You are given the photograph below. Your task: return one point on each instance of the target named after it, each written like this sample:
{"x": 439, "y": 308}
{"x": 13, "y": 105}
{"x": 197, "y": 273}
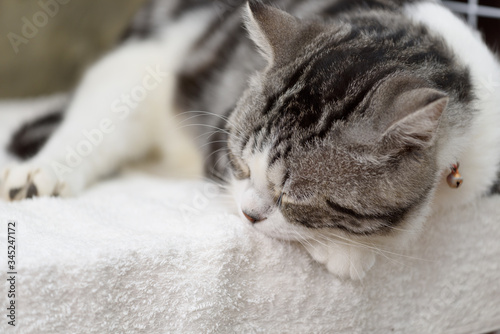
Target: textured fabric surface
{"x": 141, "y": 254}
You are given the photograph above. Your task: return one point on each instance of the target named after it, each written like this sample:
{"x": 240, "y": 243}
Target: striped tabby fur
{"x": 309, "y": 109}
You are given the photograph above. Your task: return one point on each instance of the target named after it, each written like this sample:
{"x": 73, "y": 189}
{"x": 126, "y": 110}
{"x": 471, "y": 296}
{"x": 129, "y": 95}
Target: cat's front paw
{"x": 30, "y": 180}
{"x": 345, "y": 261}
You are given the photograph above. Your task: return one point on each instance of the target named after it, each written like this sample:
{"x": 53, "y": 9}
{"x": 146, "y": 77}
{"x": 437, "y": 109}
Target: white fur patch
{"x": 480, "y": 157}
{"x": 257, "y": 163}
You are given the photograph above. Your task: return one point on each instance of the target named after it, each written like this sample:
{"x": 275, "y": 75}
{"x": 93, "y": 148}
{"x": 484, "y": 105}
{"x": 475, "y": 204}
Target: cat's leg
{"x": 118, "y": 114}
{"x": 110, "y": 120}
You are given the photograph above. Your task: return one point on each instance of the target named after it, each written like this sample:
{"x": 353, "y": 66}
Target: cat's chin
{"x": 342, "y": 257}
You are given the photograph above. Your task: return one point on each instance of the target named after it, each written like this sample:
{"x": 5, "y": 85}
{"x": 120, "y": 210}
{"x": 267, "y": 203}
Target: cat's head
{"x": 339, "y": 132}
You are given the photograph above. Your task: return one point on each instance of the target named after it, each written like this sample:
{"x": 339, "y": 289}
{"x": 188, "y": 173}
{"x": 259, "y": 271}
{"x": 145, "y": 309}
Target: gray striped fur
{"x": 323, "y": 106}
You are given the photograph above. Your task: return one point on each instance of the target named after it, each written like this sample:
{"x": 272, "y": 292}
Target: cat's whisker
{"x": 409, "y": 230}
{"x": 305, "y": 243}
{"x": 204, "y": 125}
{"x": 238, "y": 128}
{"x": 213, "y": 142}
{"x": 208, "y": 134}
{"x": 215, "y": 152}
{"x": 306, "y": 239}
{"x": 219, "y": 175}
{"x": 354, "y": 243}
{"x": 373, "y": 247}
{"x": 358, "y": 274}
{"x": 327, "y": 241}
{"x": 217, "y": 171}
{"x": 225, "y": 155}
{"x": 203, "y": 113}
{"x": 347, "y": 242}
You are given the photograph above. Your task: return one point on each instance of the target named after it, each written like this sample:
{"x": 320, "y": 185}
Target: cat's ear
{"x": 420, "y": 111}
{"x": 273, "y": 30}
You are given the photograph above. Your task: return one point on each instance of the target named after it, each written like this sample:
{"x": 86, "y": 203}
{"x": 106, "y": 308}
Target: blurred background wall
{"x": 46, "y": 44}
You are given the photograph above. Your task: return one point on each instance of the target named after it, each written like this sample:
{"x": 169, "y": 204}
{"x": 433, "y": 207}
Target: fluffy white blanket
{"x": 140, "y": 254}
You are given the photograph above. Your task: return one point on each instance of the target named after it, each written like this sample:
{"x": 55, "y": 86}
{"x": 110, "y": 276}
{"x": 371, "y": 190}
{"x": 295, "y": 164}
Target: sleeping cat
{"x": 334, "y": 122}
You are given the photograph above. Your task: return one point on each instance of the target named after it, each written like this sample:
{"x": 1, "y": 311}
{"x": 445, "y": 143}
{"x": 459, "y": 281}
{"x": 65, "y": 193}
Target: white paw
{"x": 345, "y": 261}
{"x": 28, "y": 181}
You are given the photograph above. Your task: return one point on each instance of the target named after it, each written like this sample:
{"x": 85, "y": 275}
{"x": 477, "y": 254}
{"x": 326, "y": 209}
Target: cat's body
{"x": 339, "y": 133}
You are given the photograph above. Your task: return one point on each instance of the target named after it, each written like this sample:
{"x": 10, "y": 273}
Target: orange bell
{"x": 455, "y": 180}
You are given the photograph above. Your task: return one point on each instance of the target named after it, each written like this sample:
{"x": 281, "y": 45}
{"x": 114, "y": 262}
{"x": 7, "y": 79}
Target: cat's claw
{"x": 28, "y": 181}
{"x": 345, "y": 261}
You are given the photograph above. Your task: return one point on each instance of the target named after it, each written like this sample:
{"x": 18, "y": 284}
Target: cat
{"x": 333, "y": 122}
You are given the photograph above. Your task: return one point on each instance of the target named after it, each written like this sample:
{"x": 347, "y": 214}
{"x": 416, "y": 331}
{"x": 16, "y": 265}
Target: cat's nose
{"x": 253, "y": 206}
{"x": 253, "y": 218}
